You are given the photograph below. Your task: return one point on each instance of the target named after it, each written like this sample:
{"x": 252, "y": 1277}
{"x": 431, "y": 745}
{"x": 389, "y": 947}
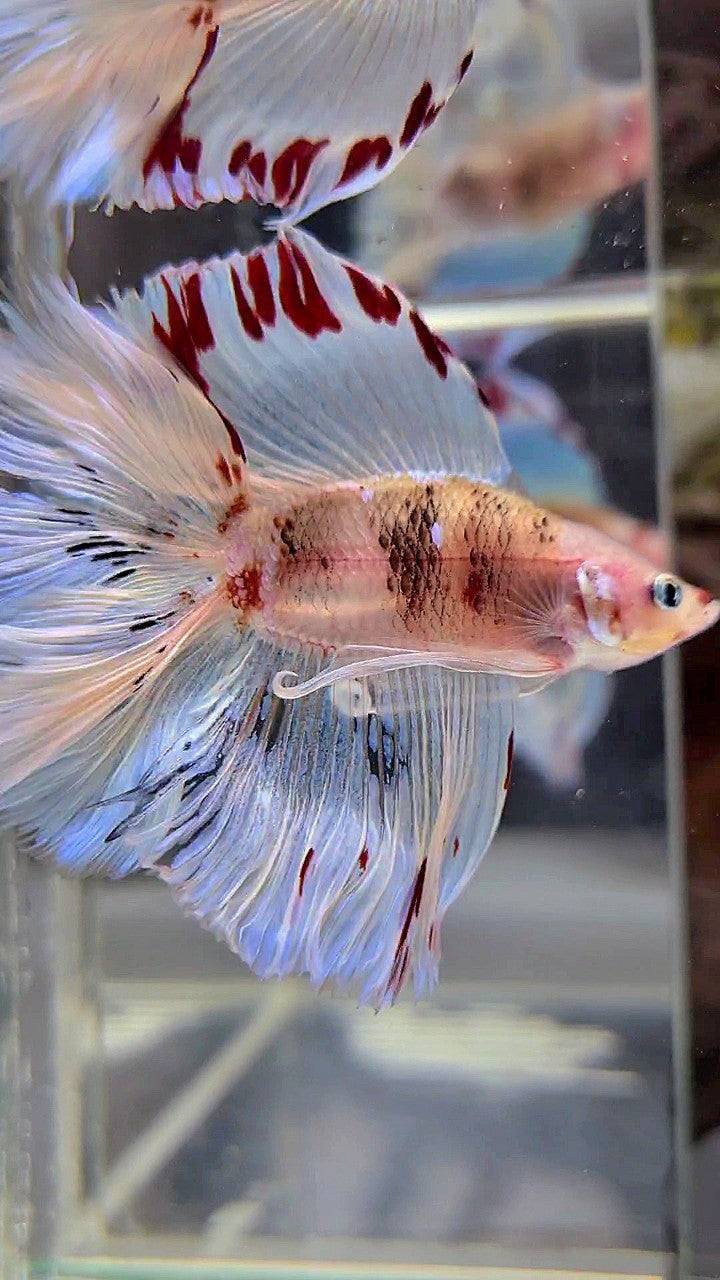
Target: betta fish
{"x": 268, "y": 599}
{"x": 159, "y": 103}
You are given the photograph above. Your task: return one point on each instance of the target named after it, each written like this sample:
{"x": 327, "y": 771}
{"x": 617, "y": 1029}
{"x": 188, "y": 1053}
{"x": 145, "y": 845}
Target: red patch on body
{"x": 434, "y": 348}
{"x": 367, "y": 151}
{"x": 363, "y": 859}
{"x": 291, "y": 169}
{"x": 244, "y": 588}
{"x": 171, "y": 145}
{"x": 299, "y": 293}
{"x": 510, "y": 753}
{"x": 304, "y": 870}
{"x": 705, "y": 597}
{"x": 379, "y": 302}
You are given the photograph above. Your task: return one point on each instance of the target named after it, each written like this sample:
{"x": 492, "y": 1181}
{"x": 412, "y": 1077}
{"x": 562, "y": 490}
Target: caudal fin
{"x": 117, "y": 472}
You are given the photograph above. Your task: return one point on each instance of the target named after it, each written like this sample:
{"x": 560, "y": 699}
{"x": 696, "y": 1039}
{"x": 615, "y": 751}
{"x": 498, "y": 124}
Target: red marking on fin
{"x": 187, "y": 334}
{"x": 248, "y": 319}
{"x": 304, "y": 870}
{"x": 239, "y": 158}
{"x": 510, "y": 753}
{"x": 236, "y": 508}
{"x": 300, "y": 296}
{"x": 222, "y": 466}
{"x": 291, "y": 168}
{"x": 435, "y": 349}
{"x": 379, "y": 302}
{"x": 415, "y": 122}
{"x": 243, "y": 157}
{"x": 363, "y": 859}
{"x": 367, "y": 151}
{"x": 400, "y": 961}
{"x": 456, "y": 846}
{"x": 465, "y": 65}
{"x": 196, "y": 17}
{"x": 261, "y": 287}
{"x": 171, "y": 145}
{"x": 431, "y": 936}
{"x": 244, "y": 591}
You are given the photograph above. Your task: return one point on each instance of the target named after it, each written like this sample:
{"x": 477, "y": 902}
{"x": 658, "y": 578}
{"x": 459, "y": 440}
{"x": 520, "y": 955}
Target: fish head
{"x": 630, "y": 612}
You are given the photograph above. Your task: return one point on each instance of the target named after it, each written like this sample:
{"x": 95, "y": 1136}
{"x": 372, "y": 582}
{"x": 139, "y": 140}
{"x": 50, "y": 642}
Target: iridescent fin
{"x": 293, "y": 102}
{"x": 318, "y": 842}
{"x": 327, "y": 372}
{"x": 117, "y": 472}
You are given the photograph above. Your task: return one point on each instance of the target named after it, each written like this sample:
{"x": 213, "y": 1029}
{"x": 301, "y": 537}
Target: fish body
{"x": 450, "y": 567}
{"x": 268, "y": 601}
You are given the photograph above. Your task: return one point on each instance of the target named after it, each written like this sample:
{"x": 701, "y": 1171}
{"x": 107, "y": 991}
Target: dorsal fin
{"x": 325, "y": 372}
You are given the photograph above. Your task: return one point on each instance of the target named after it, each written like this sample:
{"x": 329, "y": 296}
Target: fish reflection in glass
{"x": 500, "y": 194}
{"x": 268, "y": 601}
{"x": 159, "y": 103}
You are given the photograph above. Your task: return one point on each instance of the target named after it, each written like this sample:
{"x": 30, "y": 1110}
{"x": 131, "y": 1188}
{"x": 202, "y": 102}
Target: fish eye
{"x": 666, "y": 591}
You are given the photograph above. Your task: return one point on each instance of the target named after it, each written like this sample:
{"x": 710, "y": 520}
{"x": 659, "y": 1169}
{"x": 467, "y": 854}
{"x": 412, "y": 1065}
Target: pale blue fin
{"x": 318, "y": 842}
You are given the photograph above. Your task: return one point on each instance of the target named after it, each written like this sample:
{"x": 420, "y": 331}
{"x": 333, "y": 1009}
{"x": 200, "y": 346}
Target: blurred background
{"x": 554, "y": 1110}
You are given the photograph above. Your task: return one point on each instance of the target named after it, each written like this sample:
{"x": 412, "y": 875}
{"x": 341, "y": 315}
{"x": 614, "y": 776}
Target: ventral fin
{"x": 326, "y": 372}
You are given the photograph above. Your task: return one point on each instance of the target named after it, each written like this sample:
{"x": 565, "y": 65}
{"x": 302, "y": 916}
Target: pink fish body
{"x": 268, "y": 601}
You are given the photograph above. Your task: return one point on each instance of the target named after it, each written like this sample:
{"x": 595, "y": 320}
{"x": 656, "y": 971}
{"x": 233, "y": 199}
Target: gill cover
{"x": 601, "y": 609}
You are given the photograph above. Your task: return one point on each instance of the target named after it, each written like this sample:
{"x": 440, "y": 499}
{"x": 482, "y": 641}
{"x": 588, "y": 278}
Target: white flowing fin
{"x": 87, "y": 85}
{"x": 117, "y": 473}
{"x": 315, "y": 841}
{"x": 303, "y": 102}
{"x": 292, "y": 102}
{"x": 325, "y": 371}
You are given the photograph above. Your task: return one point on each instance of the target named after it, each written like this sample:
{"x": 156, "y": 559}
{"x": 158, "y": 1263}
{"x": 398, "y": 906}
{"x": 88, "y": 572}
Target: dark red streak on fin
{"x": 187, "y": 334}
{"x": 465, "y": 65}
{"x": 379, "y": 302}
{"x": 417, "y": 115}
{"x": 363, "y": 859}
{"x": 261, "y": 288}
{"x": 435, "y": 349}
{"x": 291, "y": 168}
{"x": 456, "y": 847}
{"x": 401, "y": 951}
{"x": 304, "y": 870}
{"x": 510, "y": 753}
{"x": 248, "y": 319}
{"x": 300, "y": 296}
{"x": 222, "y": 466}
{"x": 362, "y": 154}
{"x": 171, "y": 144}
{"x": 244, "y": 158}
